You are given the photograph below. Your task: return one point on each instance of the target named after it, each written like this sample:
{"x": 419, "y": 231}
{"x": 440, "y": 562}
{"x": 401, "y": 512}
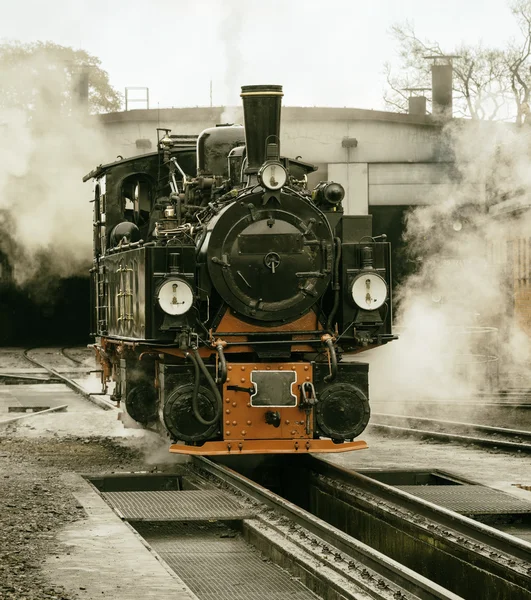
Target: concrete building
{"x": 386, "y": 161}
{"x": 382, "y": 158}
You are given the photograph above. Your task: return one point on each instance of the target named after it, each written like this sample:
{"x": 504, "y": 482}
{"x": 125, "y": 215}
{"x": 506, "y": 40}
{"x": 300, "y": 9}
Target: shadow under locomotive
{"x": 225, "y": 293}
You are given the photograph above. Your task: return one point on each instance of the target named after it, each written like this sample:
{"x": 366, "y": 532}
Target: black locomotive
{"x": 227, "y": 298}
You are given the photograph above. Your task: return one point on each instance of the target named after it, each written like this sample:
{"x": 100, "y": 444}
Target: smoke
{"x": 47, "y": 144}
{"x": 459, "y": 334}
{"x": 230, "y": 34}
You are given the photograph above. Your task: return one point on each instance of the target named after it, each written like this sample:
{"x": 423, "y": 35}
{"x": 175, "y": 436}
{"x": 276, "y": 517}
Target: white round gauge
{"x": 175, "y": 297}
{"x": 369, "y": 291}
{"x": 273, "y": 176}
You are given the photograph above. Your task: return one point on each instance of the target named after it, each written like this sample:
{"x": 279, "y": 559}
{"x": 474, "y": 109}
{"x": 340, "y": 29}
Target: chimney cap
{"x": 448, "y": 57}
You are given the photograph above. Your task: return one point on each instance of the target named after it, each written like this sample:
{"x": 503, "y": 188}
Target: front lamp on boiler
{"x": 175, "y": 297}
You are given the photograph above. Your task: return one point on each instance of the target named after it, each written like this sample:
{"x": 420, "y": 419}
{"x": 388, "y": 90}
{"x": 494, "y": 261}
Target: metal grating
{"x": 192, "y": 505}
{"x": 217, "y": 564}
{"x": 469, "y": 499}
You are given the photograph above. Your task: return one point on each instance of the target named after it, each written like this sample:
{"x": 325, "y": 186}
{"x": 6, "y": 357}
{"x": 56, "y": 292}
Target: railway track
{"x": 12, "y": 370}
{"x": 76, "y": 361}
{"x": 94, "y": 397}
{"x": 341, "y": 533}
{"x": 468, "y": 557}
{"x": 515, "y": 440}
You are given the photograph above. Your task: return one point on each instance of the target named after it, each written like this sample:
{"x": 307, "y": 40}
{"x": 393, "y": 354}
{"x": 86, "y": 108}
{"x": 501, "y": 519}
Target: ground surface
{"x": 34, "y": 503}
{"x": 37, "y": 453}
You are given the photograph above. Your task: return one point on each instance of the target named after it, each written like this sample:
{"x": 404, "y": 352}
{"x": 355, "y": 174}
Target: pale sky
{"x": 324, "y": 52}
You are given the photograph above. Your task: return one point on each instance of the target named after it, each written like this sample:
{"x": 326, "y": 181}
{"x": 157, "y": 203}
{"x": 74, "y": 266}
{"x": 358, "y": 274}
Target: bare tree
{"x": 518, "y": 59}
{"x": 489, "y": 83}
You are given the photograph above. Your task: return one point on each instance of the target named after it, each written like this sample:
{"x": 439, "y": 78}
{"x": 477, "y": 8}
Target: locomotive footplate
{"x": 267, "y": 447}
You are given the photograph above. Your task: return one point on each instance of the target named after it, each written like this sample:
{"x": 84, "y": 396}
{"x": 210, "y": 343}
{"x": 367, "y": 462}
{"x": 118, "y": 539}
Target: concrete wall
{"x": 316, "y": 134}
{"x": 382, "y": 168}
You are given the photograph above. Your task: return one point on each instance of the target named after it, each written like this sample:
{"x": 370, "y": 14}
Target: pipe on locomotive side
{"x": 261, "y": 115}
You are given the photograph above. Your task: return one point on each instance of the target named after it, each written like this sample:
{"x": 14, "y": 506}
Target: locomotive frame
{"x": 226, "y": 296}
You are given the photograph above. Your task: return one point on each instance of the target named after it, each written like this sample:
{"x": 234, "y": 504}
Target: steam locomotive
{"x": 226, "y": 296}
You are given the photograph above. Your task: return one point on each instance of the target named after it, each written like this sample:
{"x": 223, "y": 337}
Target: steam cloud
{"x": 455, "y": 312}
{"x": 230, "y": 33}
{"x": 45, "y": 149}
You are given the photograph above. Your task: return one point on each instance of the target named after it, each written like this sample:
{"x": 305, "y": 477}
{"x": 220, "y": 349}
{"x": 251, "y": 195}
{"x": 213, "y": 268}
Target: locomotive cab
{"x": 229, "y": 300}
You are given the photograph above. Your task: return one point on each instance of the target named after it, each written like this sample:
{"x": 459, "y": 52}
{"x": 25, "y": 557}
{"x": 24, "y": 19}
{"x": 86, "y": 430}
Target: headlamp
{"x": 175, "y": 297}
{"x": 369, "y": 291}
{"x": 272, "y": 175}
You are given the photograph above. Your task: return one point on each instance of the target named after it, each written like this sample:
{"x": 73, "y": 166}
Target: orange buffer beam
{"x": 267, "y": 447}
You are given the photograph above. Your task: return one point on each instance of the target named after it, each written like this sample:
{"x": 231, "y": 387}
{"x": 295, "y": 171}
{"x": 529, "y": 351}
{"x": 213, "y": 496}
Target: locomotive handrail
{"x": 328, "y": 340}
{"x": 199, "y": 366}
{"x": 222, "y": 378}
{"x": 335, "y": 286}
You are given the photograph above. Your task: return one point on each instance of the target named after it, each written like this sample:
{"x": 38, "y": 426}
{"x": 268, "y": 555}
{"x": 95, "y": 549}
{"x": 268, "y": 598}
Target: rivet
{"x": 293, "y": 368}
{"x": 227, "y": 400}
{"x": 280, "y": 368}
{"x": 242, "y": 379}
{"x": 307, "y": 379}
{"x": 227, "y": 422}
{"x": 248, "y": 422}
{"x": 228, "y": 411}
{"x": 255, "y": 368}
{"x": 228, "y": 379}
{"x": 293, "y": 432}
{"x": 234, "y": 423}
{"x": 230, "y": 368}
{"x": 243, "y": 368}
{"x": 248, "y": 405}
{"x": 234, "y": 404}
{"x": 268, "y": 368}
{"x": 227, "y": 433}
{"x": 287, "y": 421}
{"x": 306, "y": 367}
{"x": 243, "y": 432}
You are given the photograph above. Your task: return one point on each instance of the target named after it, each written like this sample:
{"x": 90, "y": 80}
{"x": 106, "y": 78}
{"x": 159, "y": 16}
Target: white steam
{"x": 230, "y": 32}
{"x": 46, "y": 146}
{"x": 459, "y": 333}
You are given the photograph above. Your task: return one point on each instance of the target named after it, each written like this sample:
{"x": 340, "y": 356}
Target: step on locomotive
{"x": 229, "y": 300}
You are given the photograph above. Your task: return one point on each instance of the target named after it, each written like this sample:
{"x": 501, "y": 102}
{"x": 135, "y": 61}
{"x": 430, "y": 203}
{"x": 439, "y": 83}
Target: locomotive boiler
{"x": 228, "y": 300}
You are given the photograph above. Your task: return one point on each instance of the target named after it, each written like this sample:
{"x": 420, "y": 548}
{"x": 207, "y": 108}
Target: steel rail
{"x": 71, "y": 358}
{"x": 518, "y": 549}
{"x": 499, "y": 562}
{"x": 34, "y": 414}
{"x": 496, "y": 442}
{"x": 457, "y": 404}
{"x": 460, "y": 424}
{"x": 384, "y": 566}
{"x": 26, "y": 378}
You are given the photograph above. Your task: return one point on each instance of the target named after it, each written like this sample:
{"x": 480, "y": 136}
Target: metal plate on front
{"x": 469, "y": 499}
{"x": 273, "y": 388}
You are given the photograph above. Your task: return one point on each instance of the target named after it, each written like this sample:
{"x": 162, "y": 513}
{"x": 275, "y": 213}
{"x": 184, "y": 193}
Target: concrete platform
{"x": 102, "y": 554}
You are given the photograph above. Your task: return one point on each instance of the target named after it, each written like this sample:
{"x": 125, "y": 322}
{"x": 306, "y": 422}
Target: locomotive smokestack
{"x": 81, "y": 88}
{"x": 261, "y": 113}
